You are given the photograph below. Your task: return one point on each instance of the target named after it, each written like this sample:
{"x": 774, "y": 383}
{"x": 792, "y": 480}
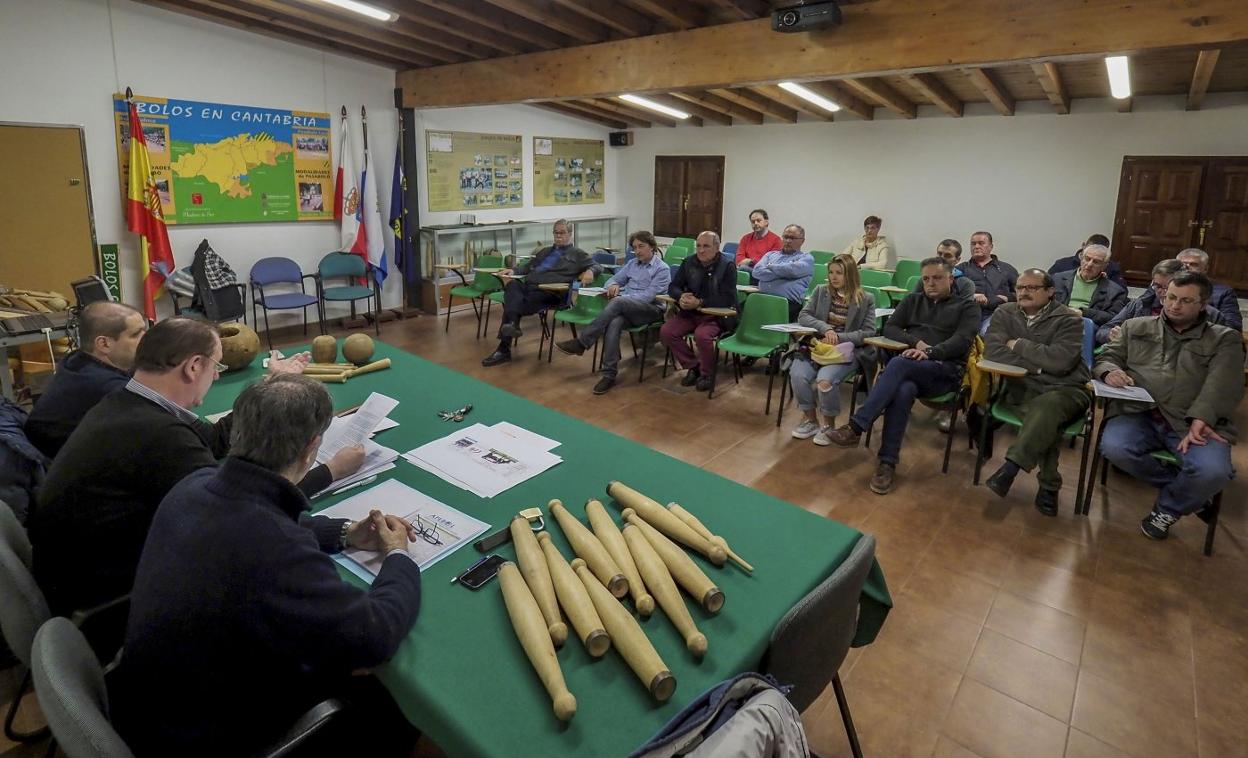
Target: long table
{"x": 461, "y": 675}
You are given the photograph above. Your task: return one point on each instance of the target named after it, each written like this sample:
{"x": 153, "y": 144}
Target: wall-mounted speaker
{"x": 620, "y": 139}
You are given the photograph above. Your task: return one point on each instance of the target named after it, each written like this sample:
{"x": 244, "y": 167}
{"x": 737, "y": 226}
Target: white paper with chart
{"x": 485, "y": 460}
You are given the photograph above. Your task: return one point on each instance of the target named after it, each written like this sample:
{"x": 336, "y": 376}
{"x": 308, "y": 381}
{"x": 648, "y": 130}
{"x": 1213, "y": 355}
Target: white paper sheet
{"x": 524, "y": 436}
{"x": 1139, "y": 394}
{"x": 355, "y": 429}
{"x": 789, "y": 328}
{"x": 484, "y": 460}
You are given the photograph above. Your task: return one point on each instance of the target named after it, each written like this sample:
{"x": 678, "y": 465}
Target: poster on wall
{"x": 470, "y": 171}
{"x": 219, "y": 164}
{"x": 568, "y": 171}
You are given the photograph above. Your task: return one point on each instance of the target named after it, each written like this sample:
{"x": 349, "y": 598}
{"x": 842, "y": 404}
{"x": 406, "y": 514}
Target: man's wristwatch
{"x": 342, "y": 537}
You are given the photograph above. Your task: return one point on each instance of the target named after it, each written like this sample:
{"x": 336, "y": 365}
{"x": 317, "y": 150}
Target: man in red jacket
{"x": 757, "y": 243}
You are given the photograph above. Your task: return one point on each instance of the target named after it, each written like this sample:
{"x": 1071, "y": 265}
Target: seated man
{"x": 758, "y": 242}
{"x": 108, "y": 335}
{"x": 1149, "y": 303}
{"x": 951, "y": 251}
{"x": 1088, "y": 289}
{"x": 705, "y": 279}
{"x": 237, "y": 594}
{"x": 787, "y": 272}
{"x": 97, "y": 502}
{"x": 1223, "y": 299}
{"x": 939, "y": 328}
{"x": 994, "y": 279}
{"x": 1194, "y": 371}
{"x": 1071, "y": 262}
{"x": 1041, "y": 335}
{"x": 561, "y": 263}
{"x": 631, "y": 297}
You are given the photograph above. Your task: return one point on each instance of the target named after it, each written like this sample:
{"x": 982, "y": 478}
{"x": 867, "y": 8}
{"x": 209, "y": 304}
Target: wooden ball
{"x": 239, "y": 346}
{"x": 358, "y": 348}
{"x": 324, "y": 349}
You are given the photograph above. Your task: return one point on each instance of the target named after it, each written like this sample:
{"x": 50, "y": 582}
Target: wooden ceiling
{"x": 452, "y": 35}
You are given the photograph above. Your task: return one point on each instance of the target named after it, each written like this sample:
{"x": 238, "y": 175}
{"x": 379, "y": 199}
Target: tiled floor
{"x": 1013, "y": 635}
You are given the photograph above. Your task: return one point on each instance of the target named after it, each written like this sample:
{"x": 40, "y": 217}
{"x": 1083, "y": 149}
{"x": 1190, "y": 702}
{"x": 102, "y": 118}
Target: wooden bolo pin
{"x": 587, "y": 546}
{"x": 666, "y": 522}
{"x": 537, "y": 575}
{"x": 701, "y": 529}
{"x": 526, "y": 619}
{"x": 609, "y": 534}
{"x": 657, "y": 578}
{"x": 682, "y": 568}
{"x": 627, "y": 637}
{"x": 575, "y": 600}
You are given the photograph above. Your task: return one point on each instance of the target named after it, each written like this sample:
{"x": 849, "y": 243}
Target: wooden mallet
{"x": 537, "y": 575}
{"x": 682, "y": 568}
{"x": 667, "y": 523}
{"x": 609, "y": 535}
{"x": 575, "y": 600}
{"x": 587, "y": 546}
{"x": 701, "y": 529}
{"x": 526, "y": 619}
{"x": 657, "y": 578}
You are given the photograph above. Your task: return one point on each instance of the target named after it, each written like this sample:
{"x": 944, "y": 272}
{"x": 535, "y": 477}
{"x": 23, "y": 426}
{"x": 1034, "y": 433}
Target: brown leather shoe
{"x": 845, "y": 436}
{"x": 882, "y": 481}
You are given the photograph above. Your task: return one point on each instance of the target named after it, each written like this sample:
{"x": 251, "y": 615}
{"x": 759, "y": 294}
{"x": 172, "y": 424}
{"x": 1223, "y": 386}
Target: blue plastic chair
{"x": 276, "y": 271}
{"x": 352, "y": 268}
{"x": 730, "y": 248}
{"x": 602, "y": 256}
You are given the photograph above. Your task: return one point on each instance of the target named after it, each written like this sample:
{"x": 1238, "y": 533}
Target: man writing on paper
{"x": 1193, "y": 369}
{"x": 237, "y": 594}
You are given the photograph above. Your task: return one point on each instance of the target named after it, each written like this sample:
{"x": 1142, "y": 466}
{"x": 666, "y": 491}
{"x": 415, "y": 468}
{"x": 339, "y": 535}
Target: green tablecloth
{"x": 462, "y": 677}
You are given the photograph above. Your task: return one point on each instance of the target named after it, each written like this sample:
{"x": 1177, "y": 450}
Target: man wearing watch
{"x": 939, "y": 328}
{"x": 236, "y": 592}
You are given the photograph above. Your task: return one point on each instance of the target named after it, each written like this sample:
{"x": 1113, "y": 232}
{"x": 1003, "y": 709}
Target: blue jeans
{"x": 804, "y": 375}
{"x": 901, "y": 381}
{"x": 1204, "y": 469}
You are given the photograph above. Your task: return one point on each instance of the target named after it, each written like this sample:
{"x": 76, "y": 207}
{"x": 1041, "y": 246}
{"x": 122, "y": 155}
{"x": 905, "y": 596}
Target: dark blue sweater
{"x": 82, "y": 381}
{"x": 239, "y": 620}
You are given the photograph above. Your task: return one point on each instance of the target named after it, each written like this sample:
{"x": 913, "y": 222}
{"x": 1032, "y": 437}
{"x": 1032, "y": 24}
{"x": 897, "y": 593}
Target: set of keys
{"x": 457, "y": 415}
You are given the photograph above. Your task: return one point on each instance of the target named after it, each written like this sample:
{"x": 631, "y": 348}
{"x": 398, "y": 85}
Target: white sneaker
{"x": 806, "y": 429}
{"x": 822, "y": 439}
{"x": 944, "y": 421}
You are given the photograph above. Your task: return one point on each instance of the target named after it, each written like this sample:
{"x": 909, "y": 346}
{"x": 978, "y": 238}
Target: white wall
{"x": 62, "y": 60}
{"x": 1041, "y": 183}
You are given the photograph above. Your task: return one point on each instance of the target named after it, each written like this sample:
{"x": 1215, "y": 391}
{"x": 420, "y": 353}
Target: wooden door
{"x": 47, "y": 235}
{"x": 1158, "y": 208}
{"x": 688, "y": 195}
{"x": 1224, "y": 221}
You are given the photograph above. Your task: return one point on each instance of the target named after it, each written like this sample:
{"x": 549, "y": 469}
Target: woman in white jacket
{"x": 872, "y": 249}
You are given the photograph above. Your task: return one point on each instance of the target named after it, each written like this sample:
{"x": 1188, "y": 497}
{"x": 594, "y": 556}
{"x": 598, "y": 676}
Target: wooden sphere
{"x": 239, "y": 346}
{"x": 324, "y": 349}
{"x": 358, "y": 348}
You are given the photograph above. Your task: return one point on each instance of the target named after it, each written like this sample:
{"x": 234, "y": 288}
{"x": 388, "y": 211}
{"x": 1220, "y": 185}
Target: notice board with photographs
{"x": 468, "y": 170}
{"x": 568, "y": 171}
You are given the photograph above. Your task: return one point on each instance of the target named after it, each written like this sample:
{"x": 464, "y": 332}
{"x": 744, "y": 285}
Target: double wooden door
{"x": 688, "y": 194}
{"x": 1166, "y": 204}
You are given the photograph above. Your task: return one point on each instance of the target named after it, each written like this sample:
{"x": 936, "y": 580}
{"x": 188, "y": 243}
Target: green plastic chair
{"x": 948, "y": 401}
{"x": 585, "y": 308}
{"x": 351, "y": 268}
{"x": 750, "y": 340}
{"x": 913, "y": 282}
{"x": 674, "y": 256}
{"x": 476, "y": 292}
{"x": 822, "y": 257}
{"x": 905, "y": 269}
{"x": 820, "y": 276}
{"x": 873, "y": 278}
{"x": 687, "y": 241}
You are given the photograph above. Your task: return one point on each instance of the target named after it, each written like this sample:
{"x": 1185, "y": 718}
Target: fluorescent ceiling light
{"x": 809, "y": 95}
{"x": 1119, "y": 76}
{"x": 656, "y": 107}
{"x": 363, "y": 9}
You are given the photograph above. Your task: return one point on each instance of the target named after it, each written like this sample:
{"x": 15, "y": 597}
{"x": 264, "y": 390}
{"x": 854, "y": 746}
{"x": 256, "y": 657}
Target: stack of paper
{"x": 355, "y": 429}
{"x": 789, "y": 328}
{"x": 486, "y": 460}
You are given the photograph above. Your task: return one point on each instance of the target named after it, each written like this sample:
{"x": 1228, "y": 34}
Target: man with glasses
{"x": 787, "y": 272}
{"x": 1071, "y": 262}
{"x": 1150, "y": 303}
{"x": 1039, "y": 334}
{"x": 97, "y": 502}
{"x": 1223, "y": 298}
{"x": 1193, "y": 369}
{"x": 1088, "y": 289}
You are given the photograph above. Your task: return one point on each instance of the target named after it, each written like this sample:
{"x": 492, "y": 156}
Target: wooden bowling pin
{"x": 575, "y": 600}
{"x": 657, "y": 578}
{"x": 588, "y": 547}
{"x": 627, "y": 637}
{"x": 537, "y": 575}
{"x": 384, "y": 363}
{"x": 609, "y": 535}
{"x": 526, "y": 619}
{"x": 666, "y": 522}
{"x": 701, "y": 529}
{"x": 680, "y": 565}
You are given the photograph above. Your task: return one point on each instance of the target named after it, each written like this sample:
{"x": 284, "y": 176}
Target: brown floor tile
{"x": 1038, "y": 679}
{"x": 1058, "y": 552}
{"x": 1131, "y": 719}
{"x": 1153, "y": 620}
{"x": 1221, "y": 662}
{"x": 1080, "y": 745}
{"x": 947, "y": 748}
{"x": 1126, "y": 660}
{"x": 1218, "y": 742}
{"x": 1035, "y": 624}
{"x": 957, "y": 593}
{"x": 994, "y": 725}
{"x": 1056, "y": 587}
{"x": 931, "y": 632}
{"x": 954, "y": 550}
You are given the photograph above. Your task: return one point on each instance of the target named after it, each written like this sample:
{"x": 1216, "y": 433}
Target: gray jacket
{"x": 859, "y": 322}
{"x": 1143, "y": 306}
{"x": 1107, "y": 299}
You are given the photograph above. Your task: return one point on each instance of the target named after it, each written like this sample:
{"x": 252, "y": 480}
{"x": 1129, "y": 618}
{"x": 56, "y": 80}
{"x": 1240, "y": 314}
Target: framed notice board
{"x": 468, "y": 170}
{"x": 568, "y": 171}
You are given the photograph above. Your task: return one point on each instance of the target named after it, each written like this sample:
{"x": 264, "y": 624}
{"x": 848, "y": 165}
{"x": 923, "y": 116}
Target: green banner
{"x": 110, "y": 269}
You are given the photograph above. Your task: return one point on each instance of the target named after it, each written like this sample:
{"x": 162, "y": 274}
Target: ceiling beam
{"x": 607, "y": 110}
{"x": 682, "y": 15}
{"x": 566, "y": 110}
{"x": 745, "y": 9}
{"x": 612, "y": 14}
{"x": 633, "y": 113}
{"x": 1205, "y": 63}
{"x": 547, "y": 13}
{"x": 844, "y": 97}
{"x": 473, "y": 31}
{"x": 879, "y": 92}
{"x": 756, "y": 102}
{"x": 726, "y": 107}
{"x": 961, "y": 35}
{"x": 987, "y": 83}
{"x": 789, "y": 100}
{"x": 1050, "y": 79}
{"x": 701, "y": 111}
{"x": 935, "y": 90}
{"x": 481, "y": 12}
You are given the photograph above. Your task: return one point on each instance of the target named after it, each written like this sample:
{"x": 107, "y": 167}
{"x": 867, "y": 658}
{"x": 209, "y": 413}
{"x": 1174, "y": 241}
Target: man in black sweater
{"x": 994, "y": 279}
{"x": 97, "y": 502}
{"x": 239, "y": 620}
{"x": 939, "y": 329}
{"x": 705, "y": 279}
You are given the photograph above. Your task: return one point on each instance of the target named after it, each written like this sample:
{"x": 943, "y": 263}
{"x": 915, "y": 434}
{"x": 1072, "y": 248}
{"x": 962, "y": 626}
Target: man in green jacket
{"x": 1039, "y": 334}
{"x": 1193, "y": 370}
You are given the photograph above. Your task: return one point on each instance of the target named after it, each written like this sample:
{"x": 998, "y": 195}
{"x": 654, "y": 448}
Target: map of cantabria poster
{"x": 218, "y": 164}
{"x": 468, "y": 170}
{"x": 568, "y": 171}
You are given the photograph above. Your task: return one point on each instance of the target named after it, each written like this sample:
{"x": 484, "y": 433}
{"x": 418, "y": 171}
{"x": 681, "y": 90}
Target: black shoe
{"x": 1003, "y": 479}
{"x": 1046, "y": 501}
{"x": 496, "y": 357}
{"x": 704, "y": 383}
{"x": 1156, "y": 525}
{"x": 509, "y": 331}
{"x": 748, "y": 361}
{"x": 691, "y": 378}
{"x": 604, "y": 384}
{"x": 571, "y": 347}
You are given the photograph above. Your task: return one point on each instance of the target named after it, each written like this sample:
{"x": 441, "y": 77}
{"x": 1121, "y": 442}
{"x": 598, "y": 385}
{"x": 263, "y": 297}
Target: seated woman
{"x": 872, "y": 249}
{"x": 844, "y": 316}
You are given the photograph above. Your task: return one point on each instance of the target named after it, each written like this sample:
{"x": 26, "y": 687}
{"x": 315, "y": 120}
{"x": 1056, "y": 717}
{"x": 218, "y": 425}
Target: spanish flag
{"x": 144, "y": 217}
